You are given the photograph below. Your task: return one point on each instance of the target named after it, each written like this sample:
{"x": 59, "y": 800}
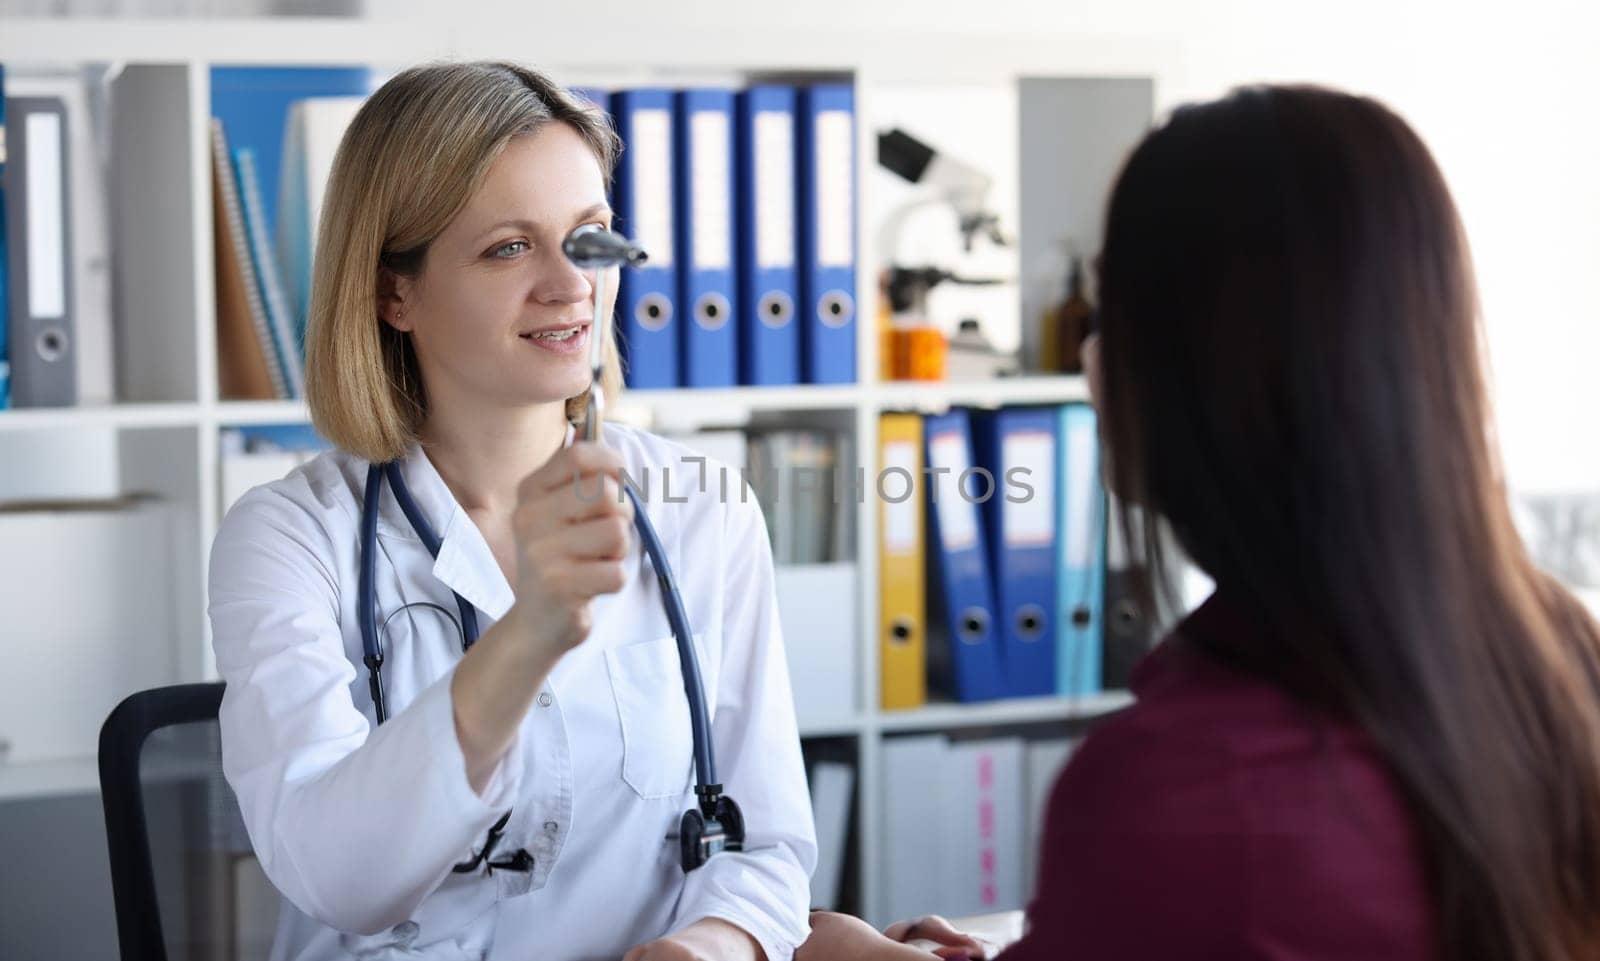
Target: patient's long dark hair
{"x": 1292, "y": 381}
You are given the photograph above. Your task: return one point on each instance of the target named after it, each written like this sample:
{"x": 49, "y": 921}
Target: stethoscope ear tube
{"x": 693, "y": 689}
{"x": 430, "y": 540}
{"x": 366, "y": 606}
{"x": 718, "y": 824}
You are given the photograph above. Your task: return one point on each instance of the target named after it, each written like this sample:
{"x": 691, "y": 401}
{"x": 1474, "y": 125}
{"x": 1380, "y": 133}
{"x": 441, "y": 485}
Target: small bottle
{"x": 887, "y": 367}
{"x": 1050, "y": 283}
{"x": 924, "y": 351}
{"x": 1070, "y": 322}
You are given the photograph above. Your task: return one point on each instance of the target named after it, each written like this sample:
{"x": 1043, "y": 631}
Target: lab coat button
{"x": 550, "y": 827}
{"x": 545, "y": 700}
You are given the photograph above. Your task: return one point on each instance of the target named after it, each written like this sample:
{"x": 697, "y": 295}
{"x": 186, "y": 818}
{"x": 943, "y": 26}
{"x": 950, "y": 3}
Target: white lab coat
{"x": 358, "y": 826}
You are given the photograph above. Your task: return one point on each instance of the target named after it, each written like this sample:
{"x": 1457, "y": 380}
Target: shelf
{"x": 565, "y": 40}
{"x": 696, "y": 404}
{"x": 698, "y": 401}
{"x": 81, "y": 775}
{"x": 838, "y": 727}
{"x": 76, "y": 776}
{"x": 113, "y": 415}
{"x": 937, "y": 717}
{"x": 39, "y": 779}
{"x": 937, "y": 395}
{"x": 690, "y": 404}
{"x": 314, "y": 41}
{"x": 231, "y": 413}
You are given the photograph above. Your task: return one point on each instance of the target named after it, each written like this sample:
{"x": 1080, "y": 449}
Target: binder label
{"x": 1029, "y": 512}
{"x": 711, "y": 175}
{"x": 47, "y": 250}
{"x": 958, "y": 517}
{"x": 1116, "y": 545}
{"x": 652, "y": 184}
{"x": 1079, "y": 493}
{"x": 774, "y": 176}
{"x": 835, "y": 186}
{"x": 900, "y": 520}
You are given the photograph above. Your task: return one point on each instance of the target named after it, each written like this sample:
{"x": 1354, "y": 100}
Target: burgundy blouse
{"x": 1218, "y": 818}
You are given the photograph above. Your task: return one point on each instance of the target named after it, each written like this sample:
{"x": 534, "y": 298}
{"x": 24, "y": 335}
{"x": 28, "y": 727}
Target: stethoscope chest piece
{"x": 701, "y": 836}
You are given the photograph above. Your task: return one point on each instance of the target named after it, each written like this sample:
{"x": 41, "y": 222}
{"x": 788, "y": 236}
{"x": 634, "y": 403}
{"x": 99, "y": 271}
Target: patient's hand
{"x": 840, "y": 937}
{"x": 710, "y": 940}
{"x": 665, "y": 949}
{"x": 949, "y": 943}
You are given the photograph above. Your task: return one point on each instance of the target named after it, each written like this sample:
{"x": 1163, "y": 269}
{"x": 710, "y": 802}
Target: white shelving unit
{"x": 168, "y": 427}
{"x": 115, "y": 416}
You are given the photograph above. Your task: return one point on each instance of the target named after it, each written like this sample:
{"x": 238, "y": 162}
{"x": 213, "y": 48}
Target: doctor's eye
{"x": 509, "y": 249}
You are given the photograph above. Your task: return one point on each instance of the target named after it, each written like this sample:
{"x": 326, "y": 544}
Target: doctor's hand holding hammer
{"x": 570, "y": 532}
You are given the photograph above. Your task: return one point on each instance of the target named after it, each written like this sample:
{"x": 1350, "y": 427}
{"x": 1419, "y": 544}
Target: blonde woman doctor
{"x": 517, "y": 801}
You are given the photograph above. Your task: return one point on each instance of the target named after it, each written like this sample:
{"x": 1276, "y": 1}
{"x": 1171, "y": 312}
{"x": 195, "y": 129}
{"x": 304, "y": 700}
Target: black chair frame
{"x": 122, "y": 738}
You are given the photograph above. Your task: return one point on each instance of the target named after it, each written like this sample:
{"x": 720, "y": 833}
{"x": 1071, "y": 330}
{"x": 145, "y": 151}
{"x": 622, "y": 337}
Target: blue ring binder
{"x": 712, "y": 311}
{"x": 836, "y": 308}
{"x": 654, "y": 312}
{"x": 775, "y": 309}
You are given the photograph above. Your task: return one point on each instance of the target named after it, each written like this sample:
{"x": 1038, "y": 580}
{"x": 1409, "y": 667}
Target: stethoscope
{"x": 717, "y": 824}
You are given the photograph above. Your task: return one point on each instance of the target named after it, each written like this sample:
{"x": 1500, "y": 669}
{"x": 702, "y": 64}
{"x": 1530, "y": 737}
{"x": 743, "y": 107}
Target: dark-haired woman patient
{"x": 1378, "y": 738}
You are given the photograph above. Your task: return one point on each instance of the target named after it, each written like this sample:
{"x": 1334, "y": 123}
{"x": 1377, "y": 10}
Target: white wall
{"x": 1507, "y": 102}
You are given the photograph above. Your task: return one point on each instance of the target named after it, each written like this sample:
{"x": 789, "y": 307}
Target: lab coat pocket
{"x": 657, "y": 746}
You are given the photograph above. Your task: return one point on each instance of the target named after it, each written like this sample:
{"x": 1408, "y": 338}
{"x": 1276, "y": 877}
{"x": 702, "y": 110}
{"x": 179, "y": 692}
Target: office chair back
{"x": 173, "y": 829}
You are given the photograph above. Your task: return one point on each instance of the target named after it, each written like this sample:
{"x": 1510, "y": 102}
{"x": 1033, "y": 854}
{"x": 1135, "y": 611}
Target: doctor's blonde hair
{"x": 414, "y": 154}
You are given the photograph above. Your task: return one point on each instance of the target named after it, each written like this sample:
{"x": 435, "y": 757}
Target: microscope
{"x": 909, "y": 347}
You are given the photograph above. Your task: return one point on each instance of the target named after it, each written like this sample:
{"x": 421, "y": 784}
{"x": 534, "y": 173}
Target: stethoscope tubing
{"x": 672, "y": 603}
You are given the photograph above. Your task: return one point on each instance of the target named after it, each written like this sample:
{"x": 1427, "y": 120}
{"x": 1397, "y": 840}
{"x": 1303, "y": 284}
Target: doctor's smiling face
{"x": 498, "y": 316}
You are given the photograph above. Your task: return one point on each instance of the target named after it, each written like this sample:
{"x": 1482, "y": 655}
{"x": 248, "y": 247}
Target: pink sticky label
{"x": 988, "y": 859}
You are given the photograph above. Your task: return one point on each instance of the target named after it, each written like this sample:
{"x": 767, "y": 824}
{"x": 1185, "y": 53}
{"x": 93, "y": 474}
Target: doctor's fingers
{"x": 569, "y": 467}
{"x": 600, "y": 539}
{"x": 596, "y": 496}
{"x": 552, "y": 511}
{"x": 585, "y": 579}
